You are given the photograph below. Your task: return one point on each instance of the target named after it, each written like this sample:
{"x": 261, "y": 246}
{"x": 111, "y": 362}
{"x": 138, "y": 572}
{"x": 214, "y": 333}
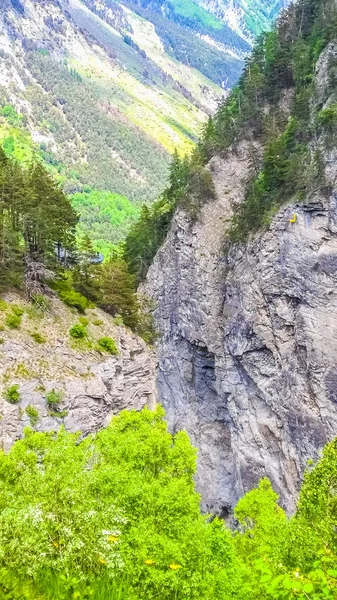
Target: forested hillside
{"x": 275, "y": 102}
{"x": 107, "y": 91}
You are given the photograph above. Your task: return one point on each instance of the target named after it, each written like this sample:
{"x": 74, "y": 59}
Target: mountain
{"x": 243, "y": 285}
{"x": 107, "y": 91}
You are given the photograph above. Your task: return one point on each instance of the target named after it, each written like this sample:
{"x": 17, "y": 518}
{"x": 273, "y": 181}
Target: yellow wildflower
{"x": 102, "y": 560}
{"x": 150, "y": 562}
{"x": 174, "y": 567}
{"x": 113, "y": 538}
{"x": 55, "y": 544}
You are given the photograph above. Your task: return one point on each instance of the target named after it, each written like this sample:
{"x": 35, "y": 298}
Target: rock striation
{"x": 248, "y": 347}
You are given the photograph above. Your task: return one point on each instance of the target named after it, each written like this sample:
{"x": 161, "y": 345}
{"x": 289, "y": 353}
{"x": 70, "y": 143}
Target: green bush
{"x": 108, "y": 345}
{"x": 84, "y": 321}
{"x": 75, "y": 299}
{"x": 12, "y": 394}
{"x": 78, "y": 331}
{"x": 54, "y": 398}
{"x": 17, "y": 310}
{"x": 327, "y": 117}
{"x": 33, "y": 414}
{"x": 13, "y": 321}
{"x": 3, "y": 305}
{"x": 39, "y": 339}
{"x": 97, "y": 322}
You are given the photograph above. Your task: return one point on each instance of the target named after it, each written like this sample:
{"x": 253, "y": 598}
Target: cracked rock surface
{"x": 248, "y": 348}
{"x": 92, "y": 385}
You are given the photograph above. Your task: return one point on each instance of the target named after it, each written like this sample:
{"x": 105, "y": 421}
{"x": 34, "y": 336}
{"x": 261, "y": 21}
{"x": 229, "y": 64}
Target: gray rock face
{"x": 248, "y": 351}
{"x": 92, "y": 385}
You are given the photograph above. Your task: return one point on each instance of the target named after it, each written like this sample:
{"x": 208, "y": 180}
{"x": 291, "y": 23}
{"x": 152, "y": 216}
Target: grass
{"x": 37, "y": 337}
{"x": 54, "y": 398}
{"x": 13, "y": 321}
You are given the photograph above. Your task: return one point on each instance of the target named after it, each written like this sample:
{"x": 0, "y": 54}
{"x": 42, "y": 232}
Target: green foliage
{"x": 97, "y": 322}
{"x": 75, "y": 299}
{"x": 78, "y": 331}
{"x": 119, "y": 504}
{"x": 283, "y": 58}
{"x": 86, "y": 274}
{"x": 35, "y": 217}
{"x": 54, "y": 398}
{"x": 13, "y": 321}
{"x": 38, "y": 337}
{"x": 17, "y": 310}
{"x": 33, "y": 414}
{"x": 84, "y": 321}
{"x": 107, "y": 344}
{"x": 147, "y": 235}
{"x": 116, "y": 516}
{"x": 12, "y": 394}
{"x": 118, "y": 289}
{"x": 104, "y": 216}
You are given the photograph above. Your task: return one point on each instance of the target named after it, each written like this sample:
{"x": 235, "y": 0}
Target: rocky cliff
{"x": 247, "y": 354}
{"x": 89, "y": 386}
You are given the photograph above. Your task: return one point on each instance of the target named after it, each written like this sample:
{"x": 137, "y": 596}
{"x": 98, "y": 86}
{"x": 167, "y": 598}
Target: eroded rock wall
{"x": 248, "y": 348}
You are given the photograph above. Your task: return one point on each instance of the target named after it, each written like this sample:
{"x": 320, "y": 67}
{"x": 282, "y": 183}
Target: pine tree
{"x": 87, "y": 272}
{"x": 118, "y": 291}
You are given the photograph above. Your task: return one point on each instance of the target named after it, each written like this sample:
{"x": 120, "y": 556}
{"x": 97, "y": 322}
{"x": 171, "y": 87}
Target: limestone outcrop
{"x": 248, "y": 347}
{"x": 91, "y": 384}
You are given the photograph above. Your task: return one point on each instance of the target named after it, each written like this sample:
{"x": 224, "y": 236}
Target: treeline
{"x": 116, "y": 515}
{"x": 35, "y": 217}
{"x": 40, "y": 255}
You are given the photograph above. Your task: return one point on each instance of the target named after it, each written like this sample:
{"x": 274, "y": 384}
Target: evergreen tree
{"x": 119, "y": 291}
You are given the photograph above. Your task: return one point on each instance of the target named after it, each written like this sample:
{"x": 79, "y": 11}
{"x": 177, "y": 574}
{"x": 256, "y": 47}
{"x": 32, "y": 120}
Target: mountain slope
{"x": 108, "y": 90}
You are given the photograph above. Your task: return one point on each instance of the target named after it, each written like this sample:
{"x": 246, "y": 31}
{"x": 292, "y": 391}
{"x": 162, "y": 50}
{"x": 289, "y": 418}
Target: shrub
{"x": 54, "y": 398}
{"x": 12, "y": 394}
{"x": 78, "y": 331}
{"x": 59, "y": 414}
{"x": 328, "y": 117}
{"x": 118, "y": 320}
{"x": 108, "y": 345}
{"x": 72, "y": 298}
{"x": 84, "y": 321}
{"x": 17, "y": 310}
{"x": 97, "y": 322}
{"x": 33, "y": 414}
{"x": 39, "y": 339}
{"x": 13, "y": 321}
{"x": 3, "y": 305}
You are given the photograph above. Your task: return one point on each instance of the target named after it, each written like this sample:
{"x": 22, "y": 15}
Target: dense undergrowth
{"x": 116, "y": 516}
{"x": 273, "y": 103}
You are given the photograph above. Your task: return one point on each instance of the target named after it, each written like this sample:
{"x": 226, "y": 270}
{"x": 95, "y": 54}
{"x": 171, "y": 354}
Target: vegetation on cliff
{"x": 117, "y": 513}
{"x": 40, "y": 254}
{"x": 275, "y": 103}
